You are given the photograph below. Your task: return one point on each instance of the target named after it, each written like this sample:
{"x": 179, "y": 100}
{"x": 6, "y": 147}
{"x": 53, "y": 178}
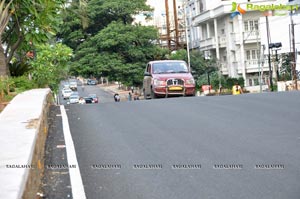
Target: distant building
{"x": 232, "y": 32}
{"x": 235, "y": 35}
{"x": 170, "y": 32}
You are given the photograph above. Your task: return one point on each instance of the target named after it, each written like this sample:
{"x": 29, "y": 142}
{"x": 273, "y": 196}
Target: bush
{"x": 6, "y": 84}
{"x": 23, "y": 83}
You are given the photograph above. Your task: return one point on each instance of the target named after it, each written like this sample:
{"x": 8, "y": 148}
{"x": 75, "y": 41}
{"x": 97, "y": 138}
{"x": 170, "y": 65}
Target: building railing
{"x": 222, "y": 41}
{"x": 208, "y": 43}
{"x": 251, "y": 36}
{"x": 195, "y": 44}
{"x": 204, "y": 16}
{"x": 235, "y": 38}
{"x": 224, "y": 68}
{"x": 255, "y": 66}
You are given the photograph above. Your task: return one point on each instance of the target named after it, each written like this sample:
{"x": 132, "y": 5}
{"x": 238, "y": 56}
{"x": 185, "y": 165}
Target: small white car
{"x": 74, "y": 99}
{"x": 73, "y": 86}
{"x": 66, "y": 93}
{"x": 66, "y": 86}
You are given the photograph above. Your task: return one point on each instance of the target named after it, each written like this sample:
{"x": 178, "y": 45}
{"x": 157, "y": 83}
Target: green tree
{"x": 119, "y": 51}
{"x": 72, "y": 31}
{"x": 50, "y": 65}
{"x": 84, "y": 20}
{"x": 30, "y": 23}
{"x": 4, "y": 19}
{"x": 201, "y": 65}
{"x": 286, "y": 68}
{"x": 198, "y": 63}
{"x": 109, "y": 44}
{"x": 180, "y": 54}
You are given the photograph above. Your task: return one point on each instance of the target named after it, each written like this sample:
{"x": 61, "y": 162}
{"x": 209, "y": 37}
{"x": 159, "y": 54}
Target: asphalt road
{"x": 103, "y": 96}
{"x": 227, "y": 147}
{"x": 56, "y": 180}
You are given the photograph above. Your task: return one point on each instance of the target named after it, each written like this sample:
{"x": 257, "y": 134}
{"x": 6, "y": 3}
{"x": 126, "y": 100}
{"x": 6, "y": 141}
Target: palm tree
{"x": 4, "y": 18}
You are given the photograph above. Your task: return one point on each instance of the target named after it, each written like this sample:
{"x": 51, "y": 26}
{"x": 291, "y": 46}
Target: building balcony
{"x": 195, "y": 44}
{"x": 208, "y": 43}
{"x": 222, "y": 41}
{"x": 206, "y": 15}
{"x": 251, "y": 37}
{"x": 224, "y": 69}
{"x": 235, "y": 38}
{"x": 203, "y": 17}
{"x": 252, "y": 66}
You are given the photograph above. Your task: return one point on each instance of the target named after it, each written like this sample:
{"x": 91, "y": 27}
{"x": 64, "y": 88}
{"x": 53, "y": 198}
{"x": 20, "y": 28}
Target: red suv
{"x": 168, "y": 77}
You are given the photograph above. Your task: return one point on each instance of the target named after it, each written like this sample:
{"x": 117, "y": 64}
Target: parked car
{"x": 66, "y": 86}
{"x": 88, "y": 100}
{"x": 91, "y": 82}
{"x": 66, "y": 93}
{"x": 75, "y": 93}
{"x": 74, "y": 99}
{"x": 95, "y": 98}
{"x": 168, "y": 78}
{"x": 73, "y": 85}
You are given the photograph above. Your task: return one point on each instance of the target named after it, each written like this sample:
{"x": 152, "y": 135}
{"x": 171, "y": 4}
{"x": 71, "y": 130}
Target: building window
{"x": 250, "y": 25}
{"x": 234, "y": 56}
{"x": 231, "y": 27}
{"x": 246, "y": 26}
{"x": 250, "y": 82}
{"x": 252, "y": 54}
{"x": 256, "y": 25}
{"x": 248, "y": 55}
{"x": 253, "y": 81}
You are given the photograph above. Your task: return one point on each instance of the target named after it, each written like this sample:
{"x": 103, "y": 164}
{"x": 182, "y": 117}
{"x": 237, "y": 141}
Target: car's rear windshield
{"x": 169, "y": 67}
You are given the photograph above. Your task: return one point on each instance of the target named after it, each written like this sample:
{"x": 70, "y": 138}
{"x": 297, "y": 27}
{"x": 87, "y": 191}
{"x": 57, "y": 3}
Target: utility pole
{"x": 168, "y": 23}
{"x": 262, "y": 65}
{"x": 258, "y": 62}
{"x": 277, "y": 65}
{"x": 187, "y": 36}
{"x": 269, "y": 56}
{"x": 176, "y": 25}
{"x": 294, "y": 51}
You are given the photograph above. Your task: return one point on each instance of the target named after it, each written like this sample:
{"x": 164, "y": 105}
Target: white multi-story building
{"x": 239, "y": 43}
{"x": 236, "y": 42}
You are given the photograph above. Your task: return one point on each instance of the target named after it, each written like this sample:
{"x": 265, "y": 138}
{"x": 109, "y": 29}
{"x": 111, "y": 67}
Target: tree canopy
{"x": 30, "y": 23}
{"x": 50, "y": 65}
{"x": 109, "y": 43}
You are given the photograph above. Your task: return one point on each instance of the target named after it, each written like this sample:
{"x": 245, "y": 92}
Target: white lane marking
{"x": 75, "y": 177}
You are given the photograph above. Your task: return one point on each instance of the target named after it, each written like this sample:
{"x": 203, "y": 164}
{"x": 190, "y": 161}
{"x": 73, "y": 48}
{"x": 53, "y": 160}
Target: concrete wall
{"x": 23, "y": 131}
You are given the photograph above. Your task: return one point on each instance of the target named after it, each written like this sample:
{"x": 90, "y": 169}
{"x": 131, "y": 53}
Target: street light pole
{"x": 187, "y": 36}
{"x": 258, "y": 62}
{"x": 269, "y": 56}
{"x": 294, "y": 51}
